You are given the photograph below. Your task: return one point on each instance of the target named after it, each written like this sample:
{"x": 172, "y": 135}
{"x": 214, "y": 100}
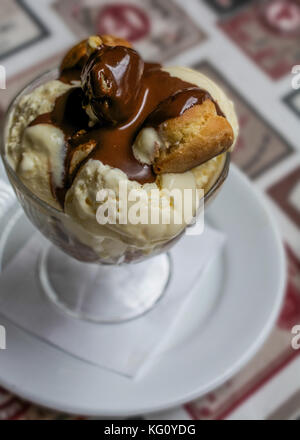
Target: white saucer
{"x": 222, "y": 328}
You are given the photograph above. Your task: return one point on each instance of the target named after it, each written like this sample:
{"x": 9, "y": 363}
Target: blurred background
{"x": 252, "y": 49}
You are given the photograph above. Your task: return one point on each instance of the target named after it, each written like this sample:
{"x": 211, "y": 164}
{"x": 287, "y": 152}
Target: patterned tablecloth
{"x": 251, "y": 48}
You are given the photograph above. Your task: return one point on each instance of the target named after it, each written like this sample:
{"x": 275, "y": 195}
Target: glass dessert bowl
{"x": 111, "y": 289}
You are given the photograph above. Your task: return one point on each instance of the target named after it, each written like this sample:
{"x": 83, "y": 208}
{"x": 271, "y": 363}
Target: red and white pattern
{"x": 262, "y": 39}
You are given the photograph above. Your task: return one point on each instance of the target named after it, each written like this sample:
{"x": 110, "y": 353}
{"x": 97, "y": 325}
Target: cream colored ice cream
{"x": 81, "y": 204}
{"x": 38, "y": 155}
{"x": 36, "y": 152}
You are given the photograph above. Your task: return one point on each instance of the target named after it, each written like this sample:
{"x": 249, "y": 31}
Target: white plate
{"x": 222, "y": 328}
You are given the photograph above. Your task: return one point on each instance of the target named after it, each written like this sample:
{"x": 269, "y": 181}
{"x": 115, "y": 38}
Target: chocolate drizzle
{"x": 176, "y": 104}
{"x": 126, "y": 94}
{"x": 112, "y": 81}
{"x": 69, "y": 75}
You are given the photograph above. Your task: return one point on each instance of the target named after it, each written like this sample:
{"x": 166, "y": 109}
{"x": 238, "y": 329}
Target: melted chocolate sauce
{"x": 134, "y": 94}
{"x": 177, "y": 104}
{"x": 69, "y": 75}
{"x": 112, "y": 81}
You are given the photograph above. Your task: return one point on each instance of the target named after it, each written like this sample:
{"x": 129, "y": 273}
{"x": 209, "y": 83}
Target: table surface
{"x": 251, "y": 48}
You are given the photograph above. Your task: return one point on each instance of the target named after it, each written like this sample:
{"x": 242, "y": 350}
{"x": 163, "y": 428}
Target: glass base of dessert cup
{"x": 106, "y": 294}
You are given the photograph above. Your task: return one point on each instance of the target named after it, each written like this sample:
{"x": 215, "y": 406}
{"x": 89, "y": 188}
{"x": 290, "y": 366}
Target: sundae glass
{"x": 93, "y": 145}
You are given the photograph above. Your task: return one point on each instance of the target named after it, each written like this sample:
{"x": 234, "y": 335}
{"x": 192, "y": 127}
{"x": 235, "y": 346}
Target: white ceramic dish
{"x": 223, "y": 326}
